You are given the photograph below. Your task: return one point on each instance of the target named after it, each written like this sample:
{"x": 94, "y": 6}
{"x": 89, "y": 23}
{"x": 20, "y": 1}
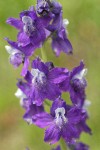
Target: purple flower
{"x": 26, "y": 103}
{"x": 43, "y": 7}
{"x": 18, "y": 56}
{"x": 78, "y": 146}
{"x": 48, "y": 10}
{"x": 61, "y": 43}
{"x": 75, "y": 84}
{"x": 59, "y": 37}
{"x": 62, "y": 121}
{"x": 31, "y": 30}
{"x": 31, "y": 111}
{"x": 43, "y": 81}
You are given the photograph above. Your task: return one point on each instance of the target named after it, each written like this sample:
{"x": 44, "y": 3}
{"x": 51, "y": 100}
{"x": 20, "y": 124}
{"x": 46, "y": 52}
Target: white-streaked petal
{"x": 87, "y": 103}
{"x": 81, "y": 74}
{"x": 20, "y": 94}
{"x": 65, "y": 22}
{"x": 11, "y": 50}
{"x": 60, "y": 116}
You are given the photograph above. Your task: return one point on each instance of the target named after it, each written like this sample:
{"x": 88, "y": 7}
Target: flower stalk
{"x": 44, "y": 82}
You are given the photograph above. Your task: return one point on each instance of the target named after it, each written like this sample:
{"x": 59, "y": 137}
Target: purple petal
{"x": 23, "y": 39}
{"x": 52, "y": 91}
{"x": 42, "y": 120}
{"x": 15, "y": 22}
{"x": 28, "y": 77}
{"x": 27, "y": 50}
{"x": 83, "y": 127}
{"x": 58, "y": 75}
{"x": 25, "y": 67}
{"x": 77, "y": 69}
{"x": 74, "y": 115}
{"x": 52, "y": 134}
{"x": 38, "y": 64}
{"x": 31, "y": 111}
{"x": 31, "y": 13}
{"x": 58, "y": 103}
{"x": 24, "y": 87}
{"x": 79, "y": 146}
{"x": 58, "y": 45}
{"x": 69, "y": 133}
{"x": 16, "y": 59}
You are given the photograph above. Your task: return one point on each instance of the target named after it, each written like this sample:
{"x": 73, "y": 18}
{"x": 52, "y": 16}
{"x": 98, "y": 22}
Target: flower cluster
{"x": 43, "y": 82}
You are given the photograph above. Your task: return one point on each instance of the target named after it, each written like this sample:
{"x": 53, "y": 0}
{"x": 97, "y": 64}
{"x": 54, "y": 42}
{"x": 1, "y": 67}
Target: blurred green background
{"x": 84, "y": 33}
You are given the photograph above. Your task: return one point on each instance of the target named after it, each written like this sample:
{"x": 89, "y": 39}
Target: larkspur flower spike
{"x": 43, "y": 83}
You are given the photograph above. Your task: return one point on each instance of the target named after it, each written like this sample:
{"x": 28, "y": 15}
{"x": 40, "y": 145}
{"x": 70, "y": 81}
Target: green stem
{"x": 47, "y": 103}
{"x": 43, "y": 55}
{"x": 44, "y": 58}
{"x": 63, "y": 144}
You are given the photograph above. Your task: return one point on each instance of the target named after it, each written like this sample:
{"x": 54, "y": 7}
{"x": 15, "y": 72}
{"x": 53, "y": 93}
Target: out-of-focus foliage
{"x": 84, "y": 33}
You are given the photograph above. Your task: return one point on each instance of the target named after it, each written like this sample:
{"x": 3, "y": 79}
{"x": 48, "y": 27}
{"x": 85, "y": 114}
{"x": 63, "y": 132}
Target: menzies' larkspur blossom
{"x": 43, "y": 81}
{"x": 60, "y": 41}
{"x": 48, "y": 10}
{"x": 30, "y": 108}
{"x": 75, "y": 84}
{"x": 51, "y": 14}
{"x": 30, "y": 28}
{"x": 62, "y": 121}
{"x": 19, "y": 55}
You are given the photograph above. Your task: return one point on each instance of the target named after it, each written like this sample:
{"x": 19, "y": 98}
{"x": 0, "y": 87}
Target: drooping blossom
{"x": 75, "y": 84}
{"x": 51, "y": 16}
{"x": 18, "y": 56}
{"x": 30, "y": 108}
{"x": 60, "y": 41}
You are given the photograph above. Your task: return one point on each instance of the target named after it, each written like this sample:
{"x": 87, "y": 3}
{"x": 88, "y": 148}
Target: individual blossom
{"x": 75, "y": 84}
{"x": 43, "y": 81}
{"x": 78, "y": 146}
{"x": 19, "y": 55}
{"x": 31, "y": 111}
{"x": 30, "y": 108}
{"x": 48, "y": 10}
{"x": 31, "y": 30}
{"x": 58, "y": 31}
{"x": 60, "y": 41}
{"x": 61, "y": 122}
{"x": 51, "y": 15}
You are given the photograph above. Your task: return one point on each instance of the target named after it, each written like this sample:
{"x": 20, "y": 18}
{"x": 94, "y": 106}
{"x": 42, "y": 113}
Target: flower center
{"x": 43, "y": 7}
{"x": 39, "y": 78}
{"x": 28, "y": 25}
{"x": 60, "y": 117}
